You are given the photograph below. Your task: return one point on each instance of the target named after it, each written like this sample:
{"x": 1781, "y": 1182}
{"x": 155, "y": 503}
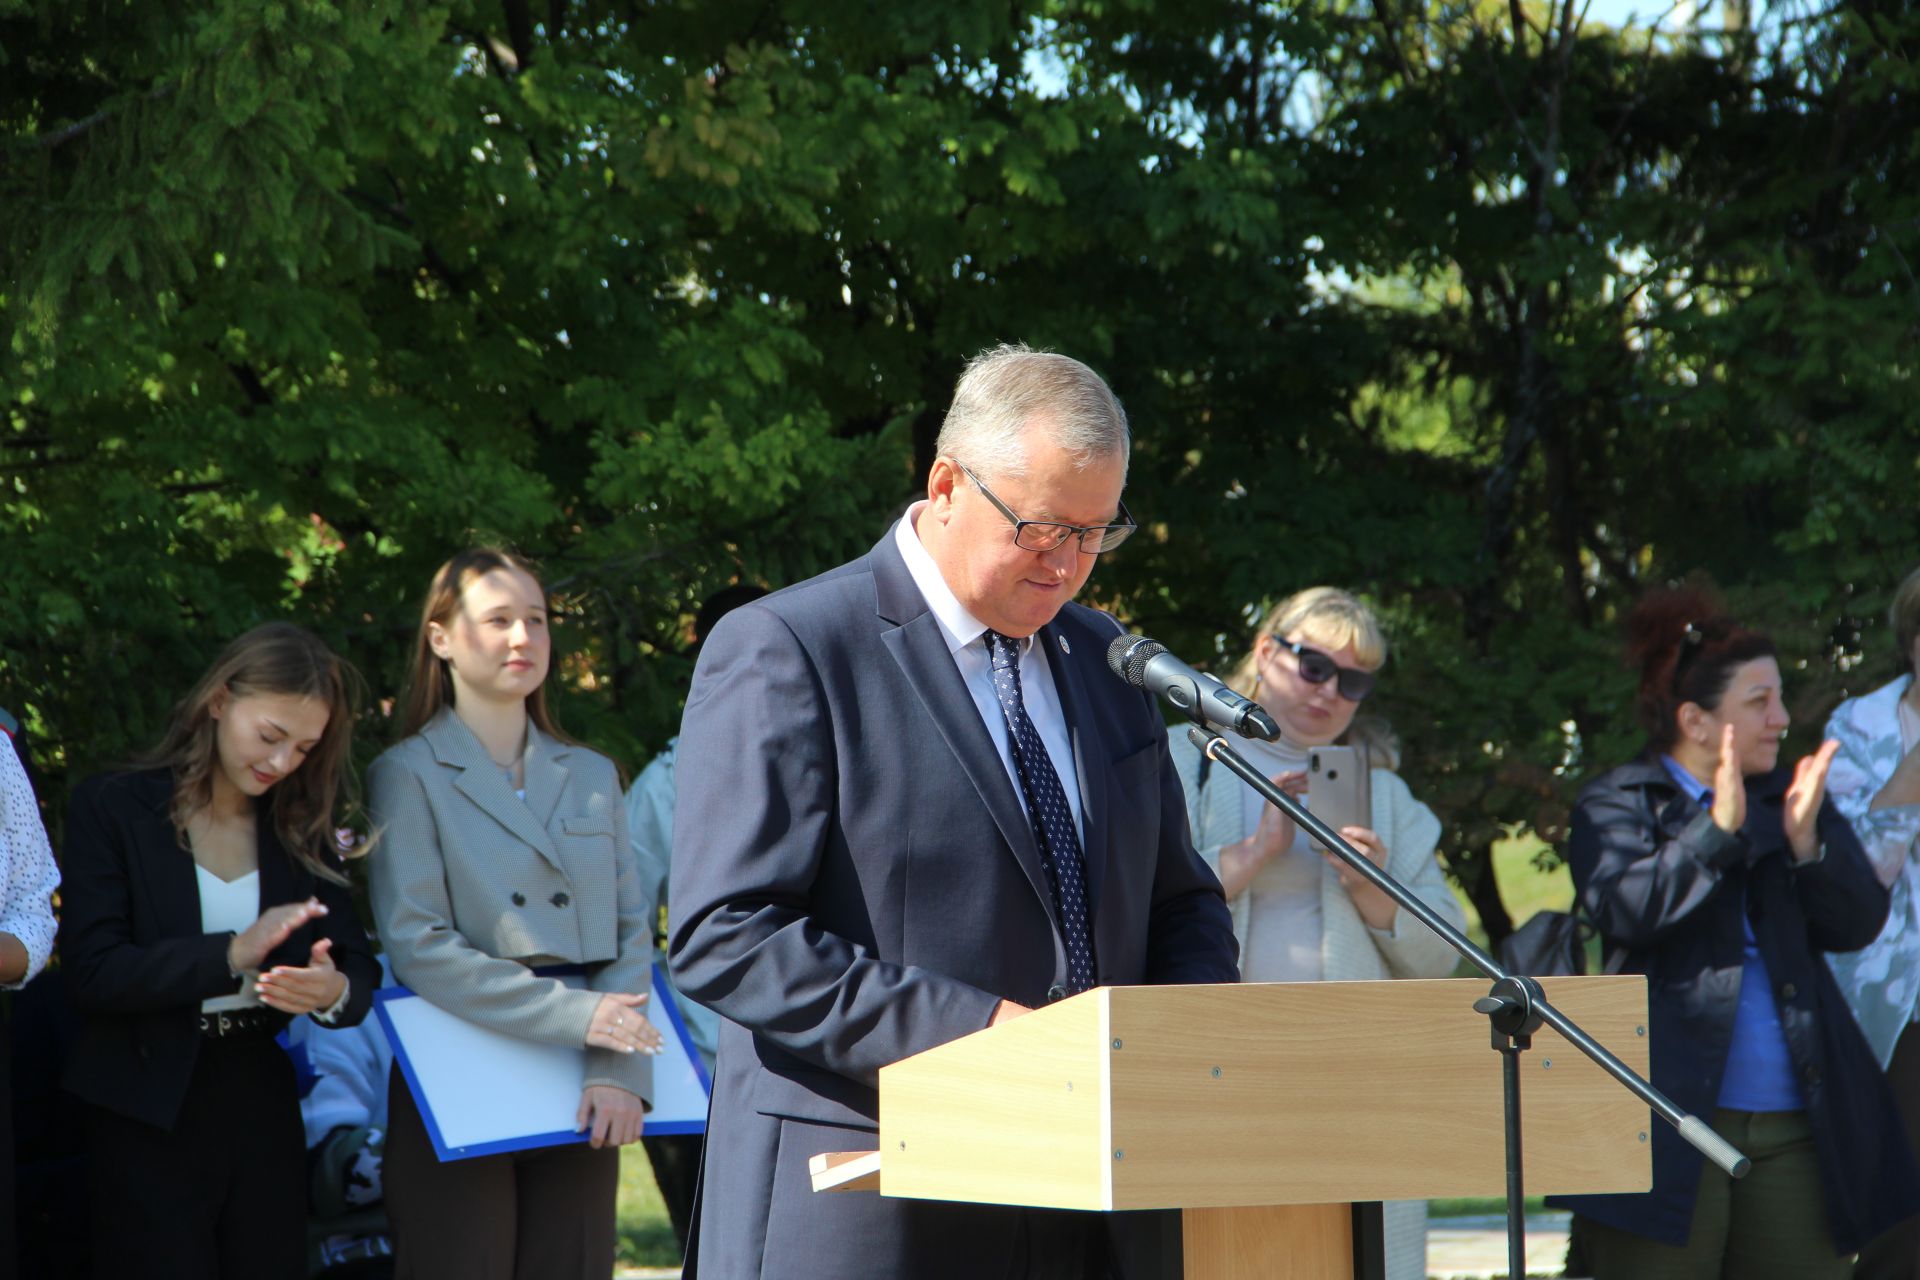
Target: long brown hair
{"x": 429, "y": 680}
{"x": 274, "y": 658}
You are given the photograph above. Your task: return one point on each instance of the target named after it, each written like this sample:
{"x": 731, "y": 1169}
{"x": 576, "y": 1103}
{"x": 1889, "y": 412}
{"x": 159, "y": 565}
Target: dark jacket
{"x": 1668, "y": 885}
{"x": 863, "y": 883}
{"x": 136, "y": 959}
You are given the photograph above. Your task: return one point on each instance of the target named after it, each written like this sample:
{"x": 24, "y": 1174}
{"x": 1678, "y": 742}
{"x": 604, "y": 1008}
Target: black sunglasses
{"x": 1317, "y": 668}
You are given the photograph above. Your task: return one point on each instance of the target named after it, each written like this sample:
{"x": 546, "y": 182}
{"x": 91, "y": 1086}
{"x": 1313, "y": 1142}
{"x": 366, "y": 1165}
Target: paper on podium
{"x": 481, "y": 1092}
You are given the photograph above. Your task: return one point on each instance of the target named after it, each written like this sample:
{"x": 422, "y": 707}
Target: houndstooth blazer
{"x": 472, "y": 886}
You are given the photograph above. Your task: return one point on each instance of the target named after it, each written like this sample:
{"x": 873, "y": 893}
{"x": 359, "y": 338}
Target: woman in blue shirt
{"x": 1725, "y": 876}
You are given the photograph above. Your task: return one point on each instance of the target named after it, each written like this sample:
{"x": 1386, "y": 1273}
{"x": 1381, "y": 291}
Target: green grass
{"x": 646, "y": 1236}
{"x": 1524, "y": 886}
{"x": 1479, "y": 1207}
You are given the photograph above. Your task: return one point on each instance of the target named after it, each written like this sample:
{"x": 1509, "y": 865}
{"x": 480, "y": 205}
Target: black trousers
{"x": 544, "y": 1214}
{"x": 1895, "y": 1255}
{"x": 9, "y": 1233}
{"x": 220, "y": 1196}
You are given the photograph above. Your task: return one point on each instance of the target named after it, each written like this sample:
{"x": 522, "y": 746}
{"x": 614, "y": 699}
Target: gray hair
{"x": 1007, "y": 389}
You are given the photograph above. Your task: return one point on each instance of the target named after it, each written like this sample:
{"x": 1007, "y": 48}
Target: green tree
{"x": 1493, "y": 315}
{"x": 302, "y": 300}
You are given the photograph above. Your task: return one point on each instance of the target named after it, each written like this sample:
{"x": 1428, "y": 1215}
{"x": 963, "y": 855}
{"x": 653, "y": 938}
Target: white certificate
{"x": 481, "y": 1091}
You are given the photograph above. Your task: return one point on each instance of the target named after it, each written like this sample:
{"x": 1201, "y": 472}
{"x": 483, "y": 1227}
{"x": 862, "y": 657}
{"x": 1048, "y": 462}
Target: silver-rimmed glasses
{"x": 1046, "y": 535}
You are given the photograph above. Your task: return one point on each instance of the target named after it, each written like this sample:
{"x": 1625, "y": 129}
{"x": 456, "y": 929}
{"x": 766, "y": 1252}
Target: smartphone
{"x": 1340, "y": 786}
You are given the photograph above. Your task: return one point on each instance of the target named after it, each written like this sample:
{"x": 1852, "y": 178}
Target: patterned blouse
{"x": 28, "y": 876}
{"x": 1882, "y": 980}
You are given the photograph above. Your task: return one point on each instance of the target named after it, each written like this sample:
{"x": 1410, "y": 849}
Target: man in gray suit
{"x": 914, "y": 802}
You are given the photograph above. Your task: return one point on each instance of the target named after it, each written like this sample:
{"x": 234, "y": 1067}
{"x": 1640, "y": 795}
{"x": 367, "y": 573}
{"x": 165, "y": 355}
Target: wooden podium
{"x": 1263, "y": 1111}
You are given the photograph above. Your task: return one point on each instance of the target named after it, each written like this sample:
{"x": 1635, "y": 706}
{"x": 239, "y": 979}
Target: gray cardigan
{"x": 1349, "y": 950}
{"x": 471, "y": 886}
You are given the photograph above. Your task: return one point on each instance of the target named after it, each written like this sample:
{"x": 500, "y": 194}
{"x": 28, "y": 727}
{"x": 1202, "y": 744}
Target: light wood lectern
{"x": 1260, "y": 1110}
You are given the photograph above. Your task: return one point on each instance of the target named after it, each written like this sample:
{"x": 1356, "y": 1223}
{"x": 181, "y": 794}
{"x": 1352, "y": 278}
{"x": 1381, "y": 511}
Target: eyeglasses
{"x": 1046, "y": 535}
{"x": 1317, "y": 668}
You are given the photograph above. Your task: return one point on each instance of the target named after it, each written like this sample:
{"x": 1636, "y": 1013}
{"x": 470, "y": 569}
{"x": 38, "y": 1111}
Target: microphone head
{"x": 1128, "y": 657}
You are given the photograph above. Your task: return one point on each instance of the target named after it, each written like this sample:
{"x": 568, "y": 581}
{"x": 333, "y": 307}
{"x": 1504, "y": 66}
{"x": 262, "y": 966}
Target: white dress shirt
{"x": 966, "y": 641}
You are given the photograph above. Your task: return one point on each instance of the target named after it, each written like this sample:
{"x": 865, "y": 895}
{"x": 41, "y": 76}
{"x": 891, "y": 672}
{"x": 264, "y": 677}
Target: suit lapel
{"x": 279, "y": 883}
{"x": 169, "y": 873}
{"x": 484, "y": 783}
{"x": 546, "y": 775}
{"x": 920, "y": 647}
{"x": 1089, "y": 758}
{"x": 276, "y": 866}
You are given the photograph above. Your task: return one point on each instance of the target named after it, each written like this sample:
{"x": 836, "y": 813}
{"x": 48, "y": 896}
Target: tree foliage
{"x": 1493, "y": 314}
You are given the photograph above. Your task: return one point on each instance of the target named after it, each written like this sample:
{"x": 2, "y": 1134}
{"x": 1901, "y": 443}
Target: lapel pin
{"x": 1064, "y": 646}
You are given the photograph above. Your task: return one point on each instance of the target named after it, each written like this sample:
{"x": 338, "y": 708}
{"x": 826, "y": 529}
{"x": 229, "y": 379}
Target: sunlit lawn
{"x": 1524, "y": 887}
{"x": 646, "y": 1237}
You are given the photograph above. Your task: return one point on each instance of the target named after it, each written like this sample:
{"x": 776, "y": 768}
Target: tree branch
{"x": 60, "y": 137}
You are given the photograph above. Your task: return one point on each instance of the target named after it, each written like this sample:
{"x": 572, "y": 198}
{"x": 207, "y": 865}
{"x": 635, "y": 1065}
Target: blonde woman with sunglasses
{"x": 1299, "y": 914}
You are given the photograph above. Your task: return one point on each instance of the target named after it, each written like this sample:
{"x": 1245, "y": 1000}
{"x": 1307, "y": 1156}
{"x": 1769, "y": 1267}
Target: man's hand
{"x": 1006, "y": 1011}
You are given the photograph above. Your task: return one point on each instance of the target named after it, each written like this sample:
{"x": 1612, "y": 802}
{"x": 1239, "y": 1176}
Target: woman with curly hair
{"x": 1726, "y": 877}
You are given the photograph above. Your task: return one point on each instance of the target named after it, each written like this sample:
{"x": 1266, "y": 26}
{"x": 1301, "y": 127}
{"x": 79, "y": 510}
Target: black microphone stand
{"x": 1515, "y": 1006}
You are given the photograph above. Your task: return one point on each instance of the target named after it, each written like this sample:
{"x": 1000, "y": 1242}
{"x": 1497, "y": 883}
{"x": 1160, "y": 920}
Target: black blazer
{"x": 136, "y": 959}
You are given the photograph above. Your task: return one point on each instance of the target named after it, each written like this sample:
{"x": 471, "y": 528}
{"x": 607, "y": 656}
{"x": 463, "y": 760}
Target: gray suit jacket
{"x": 855, "y": 880}
{"x": 471, "y": 885}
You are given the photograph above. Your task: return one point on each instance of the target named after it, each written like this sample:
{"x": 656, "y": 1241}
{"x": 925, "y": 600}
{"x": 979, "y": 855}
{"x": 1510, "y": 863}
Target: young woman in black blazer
{"x": 204, "y": 906}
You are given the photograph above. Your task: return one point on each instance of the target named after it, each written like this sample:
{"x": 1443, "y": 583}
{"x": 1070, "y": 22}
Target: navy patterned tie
{"x": 1047, "y": 810}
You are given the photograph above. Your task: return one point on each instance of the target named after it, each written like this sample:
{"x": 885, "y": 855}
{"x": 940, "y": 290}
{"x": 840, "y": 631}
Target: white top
{"x": 28, "y": 875}
{"x": 966, "y": 642}
{"x": 1283, "y": 899}
{"x": 228, "y": 906}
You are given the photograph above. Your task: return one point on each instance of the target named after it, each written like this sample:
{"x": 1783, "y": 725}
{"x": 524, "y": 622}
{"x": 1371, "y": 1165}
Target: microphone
{"x": 1147, "y": 664}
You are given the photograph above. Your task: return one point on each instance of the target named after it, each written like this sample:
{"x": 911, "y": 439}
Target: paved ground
{"x": 1475, "y": 1248}
{"x": 1457, "y": 1249}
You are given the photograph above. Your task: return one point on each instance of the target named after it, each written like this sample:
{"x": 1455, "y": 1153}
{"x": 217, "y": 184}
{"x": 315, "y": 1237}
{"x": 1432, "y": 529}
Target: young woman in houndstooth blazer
{"x": 504, "y": 849}
{"x": 1298, "y": 915}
